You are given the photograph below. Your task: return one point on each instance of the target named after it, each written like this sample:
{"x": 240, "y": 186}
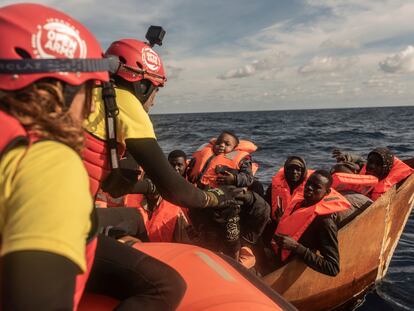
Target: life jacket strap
{"x": 111, "y": 111}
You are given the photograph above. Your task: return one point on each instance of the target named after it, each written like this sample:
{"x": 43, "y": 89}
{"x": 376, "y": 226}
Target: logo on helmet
{"x": 151, "y": 59}
{"x": 57, "y": 39}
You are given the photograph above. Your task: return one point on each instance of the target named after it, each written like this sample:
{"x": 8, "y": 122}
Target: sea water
{"x": 313, "y": 134}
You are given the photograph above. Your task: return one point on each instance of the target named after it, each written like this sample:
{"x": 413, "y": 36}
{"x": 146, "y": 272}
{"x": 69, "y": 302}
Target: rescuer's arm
{"x": 170, "y": 185}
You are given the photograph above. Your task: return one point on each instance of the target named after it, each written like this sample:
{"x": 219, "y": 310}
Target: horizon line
{"x": 282, "y": 109}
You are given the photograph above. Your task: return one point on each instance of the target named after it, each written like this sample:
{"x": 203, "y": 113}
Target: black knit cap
{"x": 297, "y": 160}
{"x": 387, "y": 159}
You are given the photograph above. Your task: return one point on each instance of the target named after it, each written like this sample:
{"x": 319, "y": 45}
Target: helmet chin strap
{"x": 142, "y": 91}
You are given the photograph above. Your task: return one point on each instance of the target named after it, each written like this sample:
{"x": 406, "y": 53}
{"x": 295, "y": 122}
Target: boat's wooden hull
{"x": 366, "y": 246}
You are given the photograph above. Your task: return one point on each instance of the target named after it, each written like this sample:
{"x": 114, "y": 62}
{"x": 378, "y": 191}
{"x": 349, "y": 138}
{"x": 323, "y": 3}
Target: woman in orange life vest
{"x": 308, "y": 225}
{"x": 390, "y": 170}
{"x": 48, "y": 62}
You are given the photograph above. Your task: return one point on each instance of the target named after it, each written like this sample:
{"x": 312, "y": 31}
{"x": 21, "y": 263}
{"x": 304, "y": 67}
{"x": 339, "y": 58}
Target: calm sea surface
{"x": 313, "y": 134}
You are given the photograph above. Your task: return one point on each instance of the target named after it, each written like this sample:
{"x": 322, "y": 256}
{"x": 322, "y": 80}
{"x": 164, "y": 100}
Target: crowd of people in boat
{"x": 299, "y": 213}
{"x": 68, "y": 111}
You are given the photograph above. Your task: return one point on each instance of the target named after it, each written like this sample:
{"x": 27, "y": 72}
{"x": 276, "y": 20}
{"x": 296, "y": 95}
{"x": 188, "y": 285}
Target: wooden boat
{"x": 366, "y": 246}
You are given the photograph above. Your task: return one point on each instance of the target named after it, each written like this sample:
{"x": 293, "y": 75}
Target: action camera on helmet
{"x": 154, "y": 35}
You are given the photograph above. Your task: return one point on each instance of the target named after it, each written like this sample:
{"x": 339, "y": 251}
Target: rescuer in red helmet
{"x": 120, "y": 122}
{"x": 48, "y": 64}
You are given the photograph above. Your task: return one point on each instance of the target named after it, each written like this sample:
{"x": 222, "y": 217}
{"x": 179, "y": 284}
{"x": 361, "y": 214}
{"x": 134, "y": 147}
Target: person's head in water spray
{"x": 141, "y": 70}
{"x": 225, "y": 143}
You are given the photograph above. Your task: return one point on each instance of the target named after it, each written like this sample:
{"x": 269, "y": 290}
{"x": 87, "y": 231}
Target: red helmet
{"x": 40, "y": 42}
{"x": 139, "y": 61}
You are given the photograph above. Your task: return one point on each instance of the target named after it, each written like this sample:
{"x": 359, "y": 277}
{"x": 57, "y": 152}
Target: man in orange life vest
{"x": 390, "y": 170}
{"x": 308, "y": 225}
{"x": 167, "y": 222}
{"x": 288, "y": 181}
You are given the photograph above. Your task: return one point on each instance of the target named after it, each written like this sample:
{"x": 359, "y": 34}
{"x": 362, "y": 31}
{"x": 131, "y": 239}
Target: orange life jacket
{"x": 206, "y": 161}
{"x": 13, "y": 133}
{"x": 354, "y": 182}
{"x": 133, "y": 200}
{"x": 281, "y": 196}
{"x": 398, "y": 172}
{"x": 162, "y": 223}
{"x": 95, "y": 159}
{"x": 295, "y": 223}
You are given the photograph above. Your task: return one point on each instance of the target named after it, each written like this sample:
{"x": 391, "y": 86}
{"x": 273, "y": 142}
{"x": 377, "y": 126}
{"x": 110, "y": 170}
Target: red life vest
{"x": 207, "y": 175}
{"x": 295, "y": 223}
{"x": 354, "y": 182}
{"x": 281, "y": 192}
{"x": 398, "y": 172}
{"x": 13, "y": 132}
{"x": 162, "y": 223}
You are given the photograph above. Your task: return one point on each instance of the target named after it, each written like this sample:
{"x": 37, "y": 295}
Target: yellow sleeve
{"x": 132, "y": 120}
{"x": 45, "y": 201}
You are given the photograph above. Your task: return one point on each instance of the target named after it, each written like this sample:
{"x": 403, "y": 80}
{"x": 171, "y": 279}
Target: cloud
{"x": 339, "y": 45}
{"x": 273, "y": 62}
{"x": 327, "y": 65}
{"x": 402, "y": 62}
{"x": 173, "y": 72}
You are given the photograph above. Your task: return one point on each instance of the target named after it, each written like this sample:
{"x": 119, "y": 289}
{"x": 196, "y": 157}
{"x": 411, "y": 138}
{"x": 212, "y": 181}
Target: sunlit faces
{"x": 293, "y": 173}
{"x": 179, "y": 164}
{"x": 316, "y": 187}
{"x": 225, "y": 143}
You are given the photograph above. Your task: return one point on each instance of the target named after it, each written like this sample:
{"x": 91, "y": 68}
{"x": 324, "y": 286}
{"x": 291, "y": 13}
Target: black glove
{"x": 117, "y": 184}
{"x": 221, "y": 197}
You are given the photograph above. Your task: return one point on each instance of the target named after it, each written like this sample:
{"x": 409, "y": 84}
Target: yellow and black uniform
{"x": 136, "y": 133}
{"x": 131, "y": 122}
{"x": 44, "y": 201}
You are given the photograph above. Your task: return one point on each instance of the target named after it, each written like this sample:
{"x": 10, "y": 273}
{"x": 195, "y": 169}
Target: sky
{"x": 238, "y": 55}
